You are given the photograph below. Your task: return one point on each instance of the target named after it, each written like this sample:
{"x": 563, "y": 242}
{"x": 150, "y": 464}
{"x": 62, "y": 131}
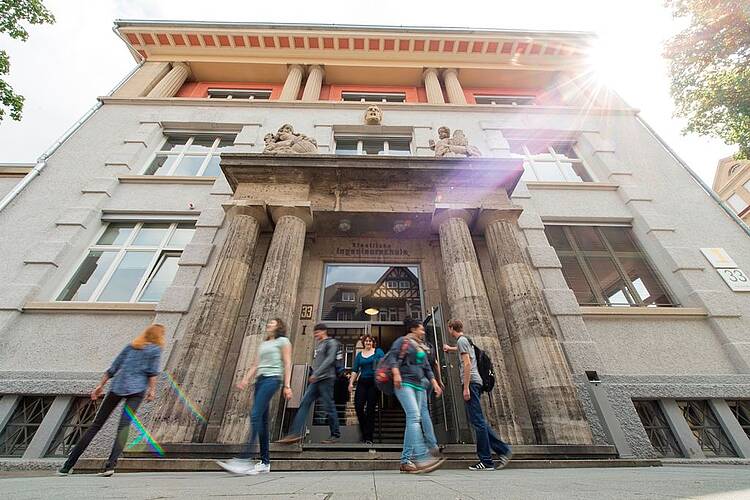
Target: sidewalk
{"x": 653, "y": 482}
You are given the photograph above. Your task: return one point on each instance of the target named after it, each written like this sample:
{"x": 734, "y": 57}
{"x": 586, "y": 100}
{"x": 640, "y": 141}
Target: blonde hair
{"x": 153, "y": 334}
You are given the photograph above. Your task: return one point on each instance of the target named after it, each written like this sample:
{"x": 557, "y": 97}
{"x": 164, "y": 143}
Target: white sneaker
{"x": 237, "y": 466}
{"x": 260, "y": 468}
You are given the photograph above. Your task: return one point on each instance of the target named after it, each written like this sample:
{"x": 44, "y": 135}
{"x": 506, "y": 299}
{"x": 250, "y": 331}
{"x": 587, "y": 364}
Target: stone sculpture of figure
{"x": 287, "y": 141}
{"x": 373, "y": 115}
{"x": 457, "y": 145}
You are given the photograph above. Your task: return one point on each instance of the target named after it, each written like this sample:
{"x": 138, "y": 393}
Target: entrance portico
{"x": 426, "y": 213}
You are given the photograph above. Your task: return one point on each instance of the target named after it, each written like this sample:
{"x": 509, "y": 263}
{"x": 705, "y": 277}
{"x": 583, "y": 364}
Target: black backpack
{"x": 484, "y": 367}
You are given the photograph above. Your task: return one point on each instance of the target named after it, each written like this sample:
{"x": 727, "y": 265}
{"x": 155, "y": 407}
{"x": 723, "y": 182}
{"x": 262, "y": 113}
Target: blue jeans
{"x": 487, "y": 440}
{"x": 428, "y": 431}
{"x": 265, "y": 388}
{"x": 322, "y": 389}
{"x": 414, "y": 445}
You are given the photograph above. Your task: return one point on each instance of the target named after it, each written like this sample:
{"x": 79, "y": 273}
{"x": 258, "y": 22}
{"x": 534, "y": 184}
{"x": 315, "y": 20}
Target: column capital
{"x": 490, "y": 214}
{"x": 429, "y": 71}
{"x": 311, "y": 67}
{"x": 445, "y": 71}
{"x": 254, "y": 209}
{"x": 300, "y": 67}
{"x": 446, "y": 211}
{"x": 300, "y": 209}
{"x": 181, "y": 65}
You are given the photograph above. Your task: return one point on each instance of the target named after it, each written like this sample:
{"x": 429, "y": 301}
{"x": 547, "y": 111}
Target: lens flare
{"x": 185, "y": 399}
{"x": 144, "y": 433}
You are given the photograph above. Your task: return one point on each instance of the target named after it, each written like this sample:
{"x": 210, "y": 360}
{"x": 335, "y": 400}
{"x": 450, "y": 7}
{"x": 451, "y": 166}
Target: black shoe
{"x": 64, "y": 472}
{"x": 330, "y": 440}
{"x": 480, "y": 466}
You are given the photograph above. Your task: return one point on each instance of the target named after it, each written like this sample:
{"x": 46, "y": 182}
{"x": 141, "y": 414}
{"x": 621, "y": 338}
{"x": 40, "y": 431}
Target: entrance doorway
{"x": 359, "y": 300}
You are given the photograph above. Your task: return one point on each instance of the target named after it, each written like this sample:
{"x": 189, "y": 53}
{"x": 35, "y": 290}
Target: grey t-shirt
{"x": 465, "y": 346}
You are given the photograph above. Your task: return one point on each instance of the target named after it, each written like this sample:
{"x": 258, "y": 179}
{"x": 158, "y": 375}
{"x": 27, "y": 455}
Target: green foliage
{"x": 12, "y": 12}
{"x": 710, "y": 69}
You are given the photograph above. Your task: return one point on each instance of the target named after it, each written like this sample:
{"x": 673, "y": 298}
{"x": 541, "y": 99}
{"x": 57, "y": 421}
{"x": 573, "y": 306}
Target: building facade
{"x": 359, "y": 176}
{"x": 732, "y": 184}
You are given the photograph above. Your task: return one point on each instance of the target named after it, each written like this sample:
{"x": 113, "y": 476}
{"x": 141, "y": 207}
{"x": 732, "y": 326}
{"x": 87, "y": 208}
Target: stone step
{"x": 297, "y": 465}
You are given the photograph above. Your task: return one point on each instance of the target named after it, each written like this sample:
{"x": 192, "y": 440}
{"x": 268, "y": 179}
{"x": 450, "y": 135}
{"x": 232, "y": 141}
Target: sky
{"x": 62, "y": 68}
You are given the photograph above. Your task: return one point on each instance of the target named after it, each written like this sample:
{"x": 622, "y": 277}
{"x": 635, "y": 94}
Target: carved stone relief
{"x": 287, "y": 141}
{"x": 448, "y": 146}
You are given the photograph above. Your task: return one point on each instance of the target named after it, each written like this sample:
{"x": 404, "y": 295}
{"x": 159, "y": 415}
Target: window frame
{"x": 614, "y": 256}
{"x": 362, "y": 138}
{"x": 160, "y": 251}
{"x": 552, "y": 156}
{"x": 353, "y": 296}
{"x": 525, "y": 97}
{"x": 251, "y": 93}
{"x": 373, "y": 93}
{"x": 191, "y": 135}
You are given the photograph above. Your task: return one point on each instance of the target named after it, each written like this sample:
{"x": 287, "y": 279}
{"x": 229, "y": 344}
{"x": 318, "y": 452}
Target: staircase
{"x": 389, "y": 425}
{"x": 357, "y": 457}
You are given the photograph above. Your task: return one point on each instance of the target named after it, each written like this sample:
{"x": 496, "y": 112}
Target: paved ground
{"x": 656, "y": 482}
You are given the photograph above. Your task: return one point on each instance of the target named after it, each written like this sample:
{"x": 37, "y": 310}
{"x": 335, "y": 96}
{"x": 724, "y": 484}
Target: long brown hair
{"x": 280, "y": 330}
{"x": 153, "y": 334}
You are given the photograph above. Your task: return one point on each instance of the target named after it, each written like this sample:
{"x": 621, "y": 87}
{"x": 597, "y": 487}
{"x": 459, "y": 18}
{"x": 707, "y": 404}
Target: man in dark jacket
{"x": 320, "y": 386}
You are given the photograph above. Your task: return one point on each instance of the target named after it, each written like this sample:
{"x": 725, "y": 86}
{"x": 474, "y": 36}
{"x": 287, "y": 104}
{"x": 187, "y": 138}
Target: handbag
{"x": 384, "y": 370}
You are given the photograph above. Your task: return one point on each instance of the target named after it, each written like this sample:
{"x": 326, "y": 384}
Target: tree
{"x": 12, "y": 12}
{"x": 710, "y": 69}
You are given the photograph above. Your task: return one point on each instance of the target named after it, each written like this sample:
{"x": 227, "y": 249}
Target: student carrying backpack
{"x": 477, "y": 376}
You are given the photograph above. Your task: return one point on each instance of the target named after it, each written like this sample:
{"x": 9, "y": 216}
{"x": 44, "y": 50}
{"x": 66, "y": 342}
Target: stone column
{"x": 313, "y": 84}
{"x": 468, "y": 301}
{"x": 453, "y": 87}
{"x": 432, "y": 86}
{"x": 275, "y": 297}
{"x": 196, "y": 367}
{"x": 292, "y": 84}
{"x": 172, "y": 81}
{"x": 556, "y": 412}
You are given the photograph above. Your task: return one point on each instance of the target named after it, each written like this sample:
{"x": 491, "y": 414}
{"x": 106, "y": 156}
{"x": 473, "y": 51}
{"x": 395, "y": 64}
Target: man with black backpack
{"x": 326, "y": 362}
{"x": 473, "y": 385}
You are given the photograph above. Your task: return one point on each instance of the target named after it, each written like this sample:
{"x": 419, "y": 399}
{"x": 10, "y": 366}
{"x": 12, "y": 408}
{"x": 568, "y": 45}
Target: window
{"x": 404, "y": 285}
{"x": 23, "y": 424}
{"x": 706, "y": 428}
{"x": 348, "y": 296}
{"x": 251, "y": 94}
{"x": 657, "y": 428}
{"x": 130, "y": 262}
{"x": 391, "y": 284}
{"x": 507, "y": 100}
{"x": 344, "y": 316}
{"x": 79, "y": 418}
{"x": 373, "y": 96}
{"x": 737, "y": 203}
{"x": 741, "y": 410}
{"x": 549, "y": 161}
{"x": 390, "y": 146}
{"x": 190, "y": 155}
{"x": 604, "y": 267}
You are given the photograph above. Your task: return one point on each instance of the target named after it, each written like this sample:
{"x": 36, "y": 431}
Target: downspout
{"x": 697, "y": 178}
{"x": 41, "y": 162}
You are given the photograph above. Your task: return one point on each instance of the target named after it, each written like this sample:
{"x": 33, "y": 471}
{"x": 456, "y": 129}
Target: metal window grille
{"x": 706, "y": 428}
{"x": 741, "y": 410}
{"x": 23, "y": 424}
{"x": 656, "y": 427}
{"x": 78, "y": 420}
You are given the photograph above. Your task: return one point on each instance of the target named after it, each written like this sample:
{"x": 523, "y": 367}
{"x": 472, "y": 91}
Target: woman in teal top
{"x": 274, "y": 363}
{"x": 363, "y": 372}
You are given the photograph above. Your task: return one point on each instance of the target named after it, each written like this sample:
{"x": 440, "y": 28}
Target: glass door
{"x": 444, "y": 410}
